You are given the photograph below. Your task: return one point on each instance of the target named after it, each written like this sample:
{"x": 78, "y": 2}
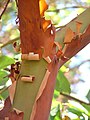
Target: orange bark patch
{"x": 58, "y": 45}
{"x": 69, "y": 36}
{"x": 78, "y": 27}
{"x": 42, "y": 6}
{"x": 45, "y": 23}
{"x": 59, "y": 53}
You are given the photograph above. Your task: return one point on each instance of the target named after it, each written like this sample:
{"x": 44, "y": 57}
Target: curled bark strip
{"x": 41, "y": 89}
{"x": 71, "y": 49}
{"x": 33, "y": 56}
{"x": 45, "y": 24}
{"x": 14, "y": 116}
{"x": 17, "y": 111}
{"x": 43, "y": 84}
{"x": 43, "y": 7}
{"x": 58, "y": 45}
{"x": 78, "y": 26}
{"x": 30, "y": 56}
{"x": 27, "y": 78}
{"x": 59, "y": 53}
{"x": 12, "y": 91}
{"x": 33, "y": 111}
{"x": 48, "y": 59}
{"x": 69, "y": 36}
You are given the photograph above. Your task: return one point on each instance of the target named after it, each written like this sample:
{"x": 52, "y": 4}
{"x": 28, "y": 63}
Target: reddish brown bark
{"x": 37, "y": 38}
{"x": 7, "y": 112}
{"x": 76, "y": 45}
{"x": 44, "y": 102}
{"x": 33, "y": 33}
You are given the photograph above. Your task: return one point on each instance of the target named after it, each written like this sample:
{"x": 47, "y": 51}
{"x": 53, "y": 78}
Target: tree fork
{"x": 36, "y": 42}
{"x": 35, "y": 39}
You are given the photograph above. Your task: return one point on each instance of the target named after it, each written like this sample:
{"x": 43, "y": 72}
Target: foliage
{"x": 5, "y": 62}
{"x": 62, "y": 84}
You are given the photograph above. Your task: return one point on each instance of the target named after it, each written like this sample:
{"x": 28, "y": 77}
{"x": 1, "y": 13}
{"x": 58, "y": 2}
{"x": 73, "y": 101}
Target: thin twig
{"x": 57, "y": 10}
{"x": 4, "y": 9}
{"x": 16, "y": 2}
{"x": 10, "y": 42}
{"x": 60, "y": 27}
{"x": 75, "y": 99}
{"x": 79, "y": 64}
{"x": 4, "y": 89}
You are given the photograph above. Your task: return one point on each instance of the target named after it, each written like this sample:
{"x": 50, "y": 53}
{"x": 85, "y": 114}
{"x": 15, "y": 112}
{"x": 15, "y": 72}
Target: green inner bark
{"x": 26, "y": 92}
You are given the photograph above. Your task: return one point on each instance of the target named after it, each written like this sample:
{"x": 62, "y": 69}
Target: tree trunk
{"x": 34, "y": 38}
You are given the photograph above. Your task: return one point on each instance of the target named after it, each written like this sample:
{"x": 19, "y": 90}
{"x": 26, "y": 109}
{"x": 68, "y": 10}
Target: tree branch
{"x": 73, "y": 98}
{"x": 4, "y": 89}
{"x": 60, "y": 34}
{"x": 77, "y": 66}
{"x": 76, "y": 45}
{"x": 16, "y": 2}
{"x": 10, "y": 42}
{"x": 4, "y": 9}
{"x": 57, "y": 10}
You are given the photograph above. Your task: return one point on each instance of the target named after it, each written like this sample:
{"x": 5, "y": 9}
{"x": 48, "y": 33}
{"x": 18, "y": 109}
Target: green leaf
{"x": 57, "y": 117}
{"x": 62, "y": 84}
{"x": 63, "y": 68}
{"x": 3, "y": 80}
{"x": 4, "y": 94}
{"x": 55, "y": 113}
{"x": 87, "y": 107}
{"x": 5, "y": 61}
{"x": 88, "y": 95}
{"x": 56, "y": 94}
{"x": 88, "y": 118}
{"x": 75, "y": 111}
